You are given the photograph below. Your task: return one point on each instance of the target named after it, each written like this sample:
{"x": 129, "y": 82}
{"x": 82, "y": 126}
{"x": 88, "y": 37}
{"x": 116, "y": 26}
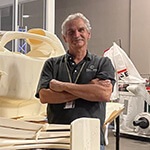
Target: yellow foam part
{"x": 36, "y": 31}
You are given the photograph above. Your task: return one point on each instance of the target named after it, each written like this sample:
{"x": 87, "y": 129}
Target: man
{"x": 77, "y": 84}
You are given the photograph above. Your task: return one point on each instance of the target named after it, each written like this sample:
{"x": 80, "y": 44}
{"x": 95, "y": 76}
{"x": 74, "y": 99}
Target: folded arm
{"x": 54, "y": 97}
{"x": 59, "y": 92}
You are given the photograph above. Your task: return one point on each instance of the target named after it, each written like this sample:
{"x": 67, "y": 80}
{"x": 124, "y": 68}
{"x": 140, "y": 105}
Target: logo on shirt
{"x": 91, "y": 69}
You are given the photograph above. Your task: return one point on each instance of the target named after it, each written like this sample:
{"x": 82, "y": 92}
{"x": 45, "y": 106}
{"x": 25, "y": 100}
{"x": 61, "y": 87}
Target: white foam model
{"x": 19, "y": 73}
{"x": 81, "y": 134}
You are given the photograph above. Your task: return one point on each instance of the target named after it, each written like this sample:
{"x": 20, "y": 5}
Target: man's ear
{"x": 89, "y": 35}
{"x": 64, "y": 38}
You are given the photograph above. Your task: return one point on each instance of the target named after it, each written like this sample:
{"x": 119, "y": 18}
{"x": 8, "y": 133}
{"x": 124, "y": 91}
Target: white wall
{"x": 128, "y": 20}
{"x": 140, "y": 35}
{"x": 109, "y": 20}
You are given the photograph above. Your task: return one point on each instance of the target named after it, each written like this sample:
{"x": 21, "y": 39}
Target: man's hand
{"x": 106, "y": 83}
{"x": 56, "y": 85}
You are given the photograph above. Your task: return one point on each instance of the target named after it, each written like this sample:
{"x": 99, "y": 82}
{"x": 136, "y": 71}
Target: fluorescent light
{"x": 26, "y": 16}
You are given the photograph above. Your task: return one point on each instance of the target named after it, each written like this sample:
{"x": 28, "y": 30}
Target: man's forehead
{"x": 73, "y": 24}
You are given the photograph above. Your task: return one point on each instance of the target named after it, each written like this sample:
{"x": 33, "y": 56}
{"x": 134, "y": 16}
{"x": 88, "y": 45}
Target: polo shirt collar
{"x": 70, "y": 57}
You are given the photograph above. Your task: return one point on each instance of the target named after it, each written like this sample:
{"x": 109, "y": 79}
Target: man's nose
{"x": 76, "y": 33}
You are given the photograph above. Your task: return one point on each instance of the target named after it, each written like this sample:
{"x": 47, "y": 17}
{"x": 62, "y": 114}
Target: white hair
{"x": 72, "y": 17}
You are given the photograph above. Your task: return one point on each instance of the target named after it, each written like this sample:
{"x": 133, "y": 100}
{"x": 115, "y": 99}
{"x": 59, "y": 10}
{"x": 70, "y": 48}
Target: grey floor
{"x": 126, "y": 143}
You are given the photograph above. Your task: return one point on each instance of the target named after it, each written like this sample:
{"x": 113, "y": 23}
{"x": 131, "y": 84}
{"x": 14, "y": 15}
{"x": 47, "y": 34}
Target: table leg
{"x": 117, "y": 132}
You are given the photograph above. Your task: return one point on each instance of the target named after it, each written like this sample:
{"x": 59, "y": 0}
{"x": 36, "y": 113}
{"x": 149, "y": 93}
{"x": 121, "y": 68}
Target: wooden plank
{"x": 84, "y": 134}
{"x": 15, "y": 133}
{"x": 27, "y": 134}
{"x": 57, "y": 127}
{"x": 113, "y": 110}
{"x": 13, "y": 142}
{"x": 55, "y": 134}
{"x": 19, "y": 124}
{"x": 36, "y": 146}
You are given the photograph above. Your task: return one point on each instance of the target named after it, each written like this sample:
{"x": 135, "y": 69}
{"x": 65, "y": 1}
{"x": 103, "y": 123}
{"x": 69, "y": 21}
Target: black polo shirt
{"x": 89, "y": 68}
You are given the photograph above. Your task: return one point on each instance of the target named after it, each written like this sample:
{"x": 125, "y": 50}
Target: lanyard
{"x": 68, "y": 72}
{"x": 71, "y": 104}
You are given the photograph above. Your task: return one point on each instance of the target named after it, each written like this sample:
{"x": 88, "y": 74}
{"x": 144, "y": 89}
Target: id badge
{"x": 70, "y": 105}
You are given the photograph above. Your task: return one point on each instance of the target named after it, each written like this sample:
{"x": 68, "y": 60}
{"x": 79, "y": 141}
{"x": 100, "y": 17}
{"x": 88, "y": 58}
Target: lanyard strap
{"x": 71, "y": 104}
{"x": 68, "y": 72}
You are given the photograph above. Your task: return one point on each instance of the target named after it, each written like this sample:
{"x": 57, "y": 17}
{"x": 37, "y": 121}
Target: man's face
{"x": 77, "y": 35}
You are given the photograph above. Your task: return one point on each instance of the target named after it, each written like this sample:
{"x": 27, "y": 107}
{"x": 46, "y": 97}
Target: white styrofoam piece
{"x": 19, "y": 73}
{"x": 85, "y": 134}
{"x": 22, "y": 76}
{"x": 12, "y": 108}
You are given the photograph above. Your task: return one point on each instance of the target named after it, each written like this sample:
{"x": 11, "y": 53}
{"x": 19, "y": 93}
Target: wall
{"x": 140, "y": 35}
{"x": 109, "y": 20}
